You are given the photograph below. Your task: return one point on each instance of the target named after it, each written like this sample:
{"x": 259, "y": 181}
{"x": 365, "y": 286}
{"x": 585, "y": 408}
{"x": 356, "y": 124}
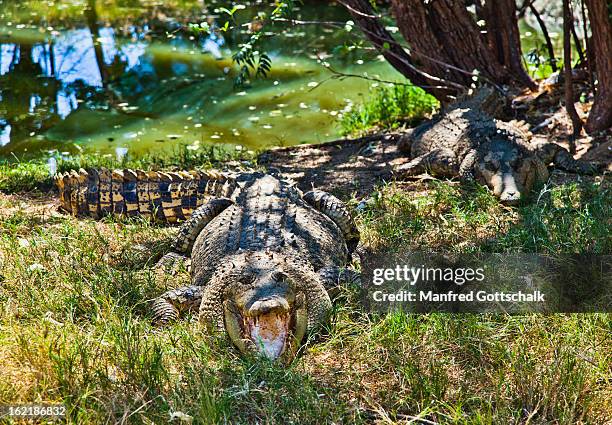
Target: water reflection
{"x": 5, "y": 133}
{"x": 140, "y": 82}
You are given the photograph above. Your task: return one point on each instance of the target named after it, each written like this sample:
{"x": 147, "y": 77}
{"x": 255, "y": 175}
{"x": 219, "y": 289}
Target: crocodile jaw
{"x": 269, "y": 332}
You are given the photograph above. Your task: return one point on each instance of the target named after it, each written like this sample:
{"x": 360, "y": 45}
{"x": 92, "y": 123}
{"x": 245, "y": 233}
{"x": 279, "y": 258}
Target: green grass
{"x": 27, "y": 175}
{"x": 74, "y": 327}
{"x": 570, "y": 218}
{"x": 389, "y": 108}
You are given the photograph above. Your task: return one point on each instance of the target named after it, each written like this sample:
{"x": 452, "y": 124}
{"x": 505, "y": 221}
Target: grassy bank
{"x": 25, "y": 175}
{"x": 74, "y": 327}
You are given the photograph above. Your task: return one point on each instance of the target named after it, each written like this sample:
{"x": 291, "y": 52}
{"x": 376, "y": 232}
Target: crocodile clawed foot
{"x": 173, "y": 263}
{"x": 163, "y": 312}
{"x": 169, "y": 306}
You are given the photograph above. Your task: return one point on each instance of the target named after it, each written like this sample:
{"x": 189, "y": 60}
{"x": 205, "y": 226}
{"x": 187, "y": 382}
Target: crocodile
{"x": 465, "y": 141}
{"x": 263, "y": 256}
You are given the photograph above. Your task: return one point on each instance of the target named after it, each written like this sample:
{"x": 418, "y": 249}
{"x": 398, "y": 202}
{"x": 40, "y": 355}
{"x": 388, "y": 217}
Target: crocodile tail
{"x": 162, "y": 196}
{"x": 338, "y": 212}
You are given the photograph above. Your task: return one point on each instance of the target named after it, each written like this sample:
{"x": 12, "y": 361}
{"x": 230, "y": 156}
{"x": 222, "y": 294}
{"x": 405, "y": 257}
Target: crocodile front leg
{"x": 562, "y": 159}
{"x": 466, "y": 169}
{"x": 172, "y": 304}
{"x": 333, "y": 278}
{"x": 440, "y": 162}
{"x": 176, "y": 268}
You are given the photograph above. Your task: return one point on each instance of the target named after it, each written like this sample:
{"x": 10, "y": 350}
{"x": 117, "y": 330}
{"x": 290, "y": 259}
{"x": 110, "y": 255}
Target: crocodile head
{"x": 265, "y": 303}
{"x": 264, "y": 312}
{"x": 509, "y": 171}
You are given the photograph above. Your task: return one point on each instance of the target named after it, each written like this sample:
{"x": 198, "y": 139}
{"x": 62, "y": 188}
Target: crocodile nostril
{"x": 510, "y": 198}
{"x": 510, "y": 194}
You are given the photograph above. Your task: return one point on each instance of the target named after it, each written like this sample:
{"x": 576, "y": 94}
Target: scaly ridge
{"x": 163, "y": 196}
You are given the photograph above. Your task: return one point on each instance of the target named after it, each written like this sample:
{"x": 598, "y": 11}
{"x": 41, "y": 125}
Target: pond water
{"x": 127, "y": 75}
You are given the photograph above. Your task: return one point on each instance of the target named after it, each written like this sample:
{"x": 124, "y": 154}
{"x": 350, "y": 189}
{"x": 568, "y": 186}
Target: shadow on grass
{"x": 572, "y": 218}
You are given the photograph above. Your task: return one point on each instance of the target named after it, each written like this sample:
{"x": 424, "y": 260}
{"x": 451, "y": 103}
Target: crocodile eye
{"x": 247, "y": 278}
{"x": 279, "y": 276}
{"x": 492, "y": 165}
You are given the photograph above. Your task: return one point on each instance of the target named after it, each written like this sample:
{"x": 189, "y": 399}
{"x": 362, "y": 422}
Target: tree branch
{"x": 567, "y": 69}
{"x": 549, "y": 45}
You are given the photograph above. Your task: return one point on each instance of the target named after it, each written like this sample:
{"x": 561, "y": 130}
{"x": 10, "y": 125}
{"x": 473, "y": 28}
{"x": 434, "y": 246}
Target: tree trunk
{"x": 445, "y": 39}
{"x": 365, "y": 18}
{"x": 504, "y": 38}
{"x": 446, "y": 46}
{"x": 587, "y": 43}
{"x": 549, "y": 45}
{"x": 600, "y": 117}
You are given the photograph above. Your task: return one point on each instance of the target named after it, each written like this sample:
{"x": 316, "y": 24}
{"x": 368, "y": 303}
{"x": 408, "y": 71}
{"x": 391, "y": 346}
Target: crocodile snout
{"x": 267, "y": 323}
{"x": 510, "y": 197}
{"x": 277, "y": 305}
{"x": 510, "y": 194}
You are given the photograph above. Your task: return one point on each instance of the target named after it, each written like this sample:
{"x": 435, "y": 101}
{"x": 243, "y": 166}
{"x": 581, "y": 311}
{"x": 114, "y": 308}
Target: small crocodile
{"x": 263, "y": 255}
{"x": 465, "y": 141}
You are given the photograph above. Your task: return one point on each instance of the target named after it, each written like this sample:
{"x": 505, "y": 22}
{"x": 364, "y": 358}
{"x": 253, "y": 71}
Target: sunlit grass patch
{"x": 388, "y": 108}
{"x": 569, "y": 218}
{"x": 473, "y": 369}
{"x": 23, "y": 176}
{"x": 444, "y": 217}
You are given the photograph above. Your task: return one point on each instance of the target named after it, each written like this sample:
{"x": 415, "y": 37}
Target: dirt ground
{"x": 356, "y": 166}
{"x": 42, "y": 206}
{"x": 352, "y": 166}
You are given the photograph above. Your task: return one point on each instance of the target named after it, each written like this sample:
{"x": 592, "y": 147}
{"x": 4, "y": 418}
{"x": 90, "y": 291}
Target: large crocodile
{"x": 465, "y": 141}
{"x": 263, "y": 255}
